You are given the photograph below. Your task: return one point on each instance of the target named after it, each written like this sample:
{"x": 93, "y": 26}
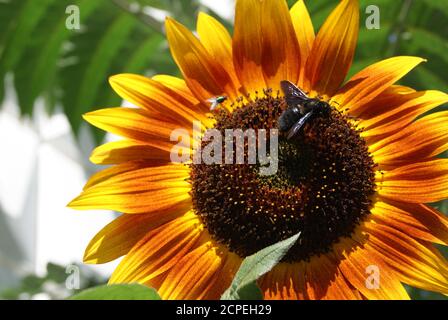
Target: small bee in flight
{"x": 300, "y": 109}
{"x": 216, "y": 101}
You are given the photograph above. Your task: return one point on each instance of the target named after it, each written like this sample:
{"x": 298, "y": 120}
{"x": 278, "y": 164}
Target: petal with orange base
{"x": 188, "y": 279}
{"x": 204, "y": 76}
{"x": 131, "y": 150}
{"x": 355, "y": 262}
{"x": 136, "y": 124}
{"x": 422, "y": 140}
{"x": 285, "y": 282}
{"x": 325, "y": 281}
{"x": 367, "y": 84}
{"x": 218, "y": 42}
{"x": 157, "y": 97}
{"x": 303, "y": 27}
{"x": 416, "y": 220}
{"x": 141, "y": 190}
{"x": 423, "y": 182}
{"x": 415, "y": 263}
{"x": 281, "y": 58}
{"x": 333, "y": 49}
{"x": 247, "y": 45}
{"x": 159, "y": 250}
{"x": 119, "y": 236}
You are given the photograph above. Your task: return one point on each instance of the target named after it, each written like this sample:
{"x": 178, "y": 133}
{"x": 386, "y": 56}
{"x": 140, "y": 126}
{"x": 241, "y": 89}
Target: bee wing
{"x": 299, "y": 124}
{"x": 213, "y": 105}
{"x": 293, "y": 94}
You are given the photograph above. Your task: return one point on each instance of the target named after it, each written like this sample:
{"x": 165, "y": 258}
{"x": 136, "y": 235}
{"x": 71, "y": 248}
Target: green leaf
{"x": 253, "y": 267}
{"x": 118, "y": 292}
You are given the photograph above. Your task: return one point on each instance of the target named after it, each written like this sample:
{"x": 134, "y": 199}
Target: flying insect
{"x": 216, "y": 101}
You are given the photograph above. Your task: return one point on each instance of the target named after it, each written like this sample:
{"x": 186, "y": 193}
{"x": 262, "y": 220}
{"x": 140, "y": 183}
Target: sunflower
{"x": 354, "y": 183}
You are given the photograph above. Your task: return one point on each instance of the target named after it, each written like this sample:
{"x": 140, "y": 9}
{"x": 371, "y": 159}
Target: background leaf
{"x": 253, "y": 267}
{"x": 118, "y": 292}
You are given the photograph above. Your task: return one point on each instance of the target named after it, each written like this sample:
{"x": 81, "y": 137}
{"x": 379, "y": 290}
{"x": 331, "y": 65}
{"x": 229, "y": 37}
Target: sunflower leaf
{"x": 253, "y": 267}
{"x": 118, "y": 292}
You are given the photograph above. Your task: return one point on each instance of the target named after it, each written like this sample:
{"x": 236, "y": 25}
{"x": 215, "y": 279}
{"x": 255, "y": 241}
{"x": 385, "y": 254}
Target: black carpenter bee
{"x": 300, "y": 109}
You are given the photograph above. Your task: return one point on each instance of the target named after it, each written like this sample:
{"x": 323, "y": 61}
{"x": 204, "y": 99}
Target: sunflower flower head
{"x": 354, "y": 180}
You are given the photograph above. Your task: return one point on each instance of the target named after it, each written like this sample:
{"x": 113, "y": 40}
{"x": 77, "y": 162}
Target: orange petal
{"x": 180, "y": 88}
{"x": 154, "y": 96}
{"x": 280, "y": 51}
{"x": 216, "y": 39}
{"x": 333, "y": 49}
{"x": 355, "y": 263}
{"x": 416, "y": 220}
{"x": 142, "y": 190}
{"x": 204, "y": 76}
{"x": 136, "y": 124}
{"x": 325, "y": 281}
{"x": 285, "y": 282}
{"x": 119, "y": 236}
{"x": 367, "y": 84}
{"x": 159, "y": 251}
{"x": 193, "y": 273}
{"x": 130, "y": 150}
{"x": 422, "y": 140}
{"x": 389, "y": 99}
{"x": 401, "y": 115}
{"x": 222, "y": 279}
{"x": 414, "y": 263}
{"x": 303, "y": 27}
{"x": 423, "y": 182}
{"x": 247, "y": 45}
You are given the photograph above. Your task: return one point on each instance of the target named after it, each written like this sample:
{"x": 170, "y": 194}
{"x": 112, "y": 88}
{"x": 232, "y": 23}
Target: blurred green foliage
{"x": 70, "y": 68}
{"x": 52, "y": 284}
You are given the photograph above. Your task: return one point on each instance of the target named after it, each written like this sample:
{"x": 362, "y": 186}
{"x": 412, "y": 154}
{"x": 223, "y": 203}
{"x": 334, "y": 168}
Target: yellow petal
{"x": 333, "y": 49}
{"x": 356, "y": 259}
{"x": 303, "y": 27}
{"x": 192, "y": 274}
{"x": 159, "y": 250}
{"x": 131, "y": 150}
{"x": 216, "y": 39}
{"x": 119, "y": 236}
{"x": 367, "y": 84}
{"x": 422, "y": 140}
{"x": 395, "y": 117}
{"x": 281, "y": 58}
{"x": 142, "y": 190}
{"x": 204, "y": 76}
{"x": 135, "y": 124}
{"x": 414, "y": 219}
{"x": 247, "y": 45}
{"x": 154, "y": 96}
{"x": 422, "y": 182}
{"x": 414, "y": 262}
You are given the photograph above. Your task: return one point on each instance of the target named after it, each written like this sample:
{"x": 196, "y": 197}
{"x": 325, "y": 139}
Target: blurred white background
{"x": 42, "y": 168}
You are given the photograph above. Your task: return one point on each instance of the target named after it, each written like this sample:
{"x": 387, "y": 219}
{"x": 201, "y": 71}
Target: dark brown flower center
{"x": 323, "y": 186}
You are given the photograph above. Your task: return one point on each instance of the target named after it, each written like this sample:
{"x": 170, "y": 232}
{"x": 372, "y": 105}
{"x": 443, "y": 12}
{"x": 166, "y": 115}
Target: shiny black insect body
{"x": 300, "y": 109}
